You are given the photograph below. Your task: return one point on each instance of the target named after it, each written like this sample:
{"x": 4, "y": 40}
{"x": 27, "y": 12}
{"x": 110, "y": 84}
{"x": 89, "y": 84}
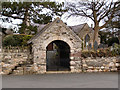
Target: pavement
{"x": 66, "y": 80}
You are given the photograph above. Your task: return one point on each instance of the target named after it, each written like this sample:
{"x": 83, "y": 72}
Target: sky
{"x": 70, "y": 21}
{"x": 73, "y": 20}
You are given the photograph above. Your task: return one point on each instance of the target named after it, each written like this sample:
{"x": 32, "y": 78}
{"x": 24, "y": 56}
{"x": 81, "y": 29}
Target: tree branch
{"x": 106, "y": 23}
{"x": 14, "y": 17}
{"x": 105, "y": 13}
{"x": 112, "y": 14}
{"x": 89, "y": 16}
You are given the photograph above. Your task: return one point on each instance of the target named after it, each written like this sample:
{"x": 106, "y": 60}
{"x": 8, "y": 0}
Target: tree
{"x": 104, "y": 36}
{"x": 108, "y": 37}
{"x": 37, "y": 12}
{"x": 15, "y": 40}
{"x": 115, "y": 22}
{"x": 96, "y": 10}
{"x": 114, "y": 25}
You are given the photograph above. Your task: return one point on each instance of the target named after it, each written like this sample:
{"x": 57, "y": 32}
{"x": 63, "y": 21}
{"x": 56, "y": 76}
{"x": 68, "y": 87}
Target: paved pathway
{"x": 81, "y": 80}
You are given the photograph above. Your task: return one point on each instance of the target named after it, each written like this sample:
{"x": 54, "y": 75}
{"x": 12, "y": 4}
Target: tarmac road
{"x": 76, "y": 80}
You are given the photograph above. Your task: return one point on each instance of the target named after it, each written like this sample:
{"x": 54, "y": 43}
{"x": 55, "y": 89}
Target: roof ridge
{"x": 77, "y": 25}
{"x": 83, "y": 26}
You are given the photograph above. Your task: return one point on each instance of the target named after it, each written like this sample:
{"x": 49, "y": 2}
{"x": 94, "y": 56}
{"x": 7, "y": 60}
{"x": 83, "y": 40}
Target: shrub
{"x": 86, "y": 54}
{"x": 16, "y": 40}
{"x": 11, "y": 40}
{"x": 116, "y": 49}
{"x": 102, "y": 52}
{"x": 25, "y": 39}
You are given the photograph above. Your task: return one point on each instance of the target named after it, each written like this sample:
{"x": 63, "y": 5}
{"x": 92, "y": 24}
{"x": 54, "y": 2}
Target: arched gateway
{"x": 56, "y": 48}
{"x": 58, "y": 56}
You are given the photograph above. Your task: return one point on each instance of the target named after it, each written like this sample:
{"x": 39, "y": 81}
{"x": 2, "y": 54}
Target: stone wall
{"x": 18, "y": 61}
{"x": 104, "y": 64}
{"x": 14, "y": 59}
{"x": 94, "y": 64}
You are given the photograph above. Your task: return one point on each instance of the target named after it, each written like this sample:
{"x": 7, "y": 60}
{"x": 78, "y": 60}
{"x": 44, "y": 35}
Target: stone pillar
{"x": 40, "y": 62}
{"x": 75, "y": 63}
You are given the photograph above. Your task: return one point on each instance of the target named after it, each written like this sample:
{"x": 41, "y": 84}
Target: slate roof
{"x": 78, "y": 28}
{"x": 82, "y": 29}
{"x": 39, "y": 26}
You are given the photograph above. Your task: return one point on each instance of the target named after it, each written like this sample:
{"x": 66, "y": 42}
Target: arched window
{"x": 87, "y": 39}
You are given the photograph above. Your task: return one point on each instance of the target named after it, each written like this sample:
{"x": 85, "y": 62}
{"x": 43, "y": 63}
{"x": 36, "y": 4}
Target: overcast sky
{"x": 77, "y": 20}
{"x": 73, "y": 20}
{"x": 70, "y": 22}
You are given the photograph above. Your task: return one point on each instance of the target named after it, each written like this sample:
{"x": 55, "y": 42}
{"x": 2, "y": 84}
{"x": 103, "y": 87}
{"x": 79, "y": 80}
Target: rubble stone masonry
{"x": 18, "y": 62}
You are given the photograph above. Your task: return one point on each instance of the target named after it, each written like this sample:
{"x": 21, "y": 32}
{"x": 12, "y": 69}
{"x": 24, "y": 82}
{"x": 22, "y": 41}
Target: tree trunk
{"x": 95, "y": 38}
{"x": 96, "y": 27}
{"x": 26, "y": 16}
{"x": 25, "y": 21}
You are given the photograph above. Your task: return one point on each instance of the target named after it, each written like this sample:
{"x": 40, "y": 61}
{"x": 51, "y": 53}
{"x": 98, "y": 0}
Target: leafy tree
{"x": 28, "y": 12}
{"x": 96, "y": 10}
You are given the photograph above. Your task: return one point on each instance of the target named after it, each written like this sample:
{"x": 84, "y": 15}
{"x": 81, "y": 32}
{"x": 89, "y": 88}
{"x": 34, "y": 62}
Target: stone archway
{"x": 58, "y": 56}
{"x": 56, "y": 31}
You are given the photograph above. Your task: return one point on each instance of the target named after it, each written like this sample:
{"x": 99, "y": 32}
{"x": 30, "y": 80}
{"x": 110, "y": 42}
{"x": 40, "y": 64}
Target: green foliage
{"x": 116, "y": 49}
{"x": 104, "y": 36}
{"x": 44, "y": 19}
{"x": 112, "y": 40}
{"x": 102, "y": 52}
{"x": 108, "y": 38}
{"x": 27, "y": 29}
{"x": 25, "y": 39}
{"x": 9, "y": 40}
{"x": 16, "y": 40}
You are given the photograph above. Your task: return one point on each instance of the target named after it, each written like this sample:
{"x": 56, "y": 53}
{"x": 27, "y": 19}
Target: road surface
{"x": 76, "y": 80}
